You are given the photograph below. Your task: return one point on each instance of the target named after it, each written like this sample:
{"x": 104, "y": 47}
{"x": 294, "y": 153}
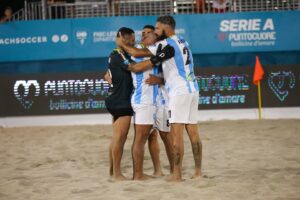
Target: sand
{"x": 244, "y": 159}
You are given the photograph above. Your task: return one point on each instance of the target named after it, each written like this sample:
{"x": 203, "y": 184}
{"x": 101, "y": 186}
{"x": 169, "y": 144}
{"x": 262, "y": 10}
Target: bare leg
{"x": 140, "y": 138}
{"x": 154, "y": 152}
{"x": 111, "y": 169}
{"x": 121, "y": 128}
{"x": 192, "y": 130}
{"x": 167, "y": 139}
{"x": 178, "y": 150}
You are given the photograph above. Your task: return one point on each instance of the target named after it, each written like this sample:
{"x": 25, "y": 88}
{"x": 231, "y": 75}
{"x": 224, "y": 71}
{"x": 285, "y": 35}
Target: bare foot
{"x": 121, "y": 177}
{"x": 197, "y": 175}
{"x": 158, "y": 174}
{"x": 143, "y": 177}
{"x": 172, "y": 178}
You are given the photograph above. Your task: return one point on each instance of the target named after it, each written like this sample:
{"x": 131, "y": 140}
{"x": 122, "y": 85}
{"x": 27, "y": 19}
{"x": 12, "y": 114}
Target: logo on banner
{"x": 25, "y": 90}
{"x": 57, "y": 38}
{"x": 281, "y": 82}
{"x": 248, "y": 32}
{"x": 23, "y": 40}
{"x": 218, "y": 87}
{"x": 62, "y": 94}
{"x": 81, "y": 36}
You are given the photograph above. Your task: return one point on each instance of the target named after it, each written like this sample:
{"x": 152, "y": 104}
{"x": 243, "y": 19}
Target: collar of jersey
{"x": 142, "y": 45}
{"x": 121, "y": 52}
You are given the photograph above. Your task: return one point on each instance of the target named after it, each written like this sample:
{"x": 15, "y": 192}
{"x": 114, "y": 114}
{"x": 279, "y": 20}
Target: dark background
{"x": 14, "y": 4}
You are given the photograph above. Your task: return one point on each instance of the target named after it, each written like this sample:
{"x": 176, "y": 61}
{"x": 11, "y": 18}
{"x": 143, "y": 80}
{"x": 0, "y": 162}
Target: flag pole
{"x": 259, "y": 100}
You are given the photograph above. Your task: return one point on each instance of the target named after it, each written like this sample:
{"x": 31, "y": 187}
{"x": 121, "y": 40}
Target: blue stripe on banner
{"x": 179, "y": 61}
{"x": 55, "y": 66}
{"x": 100, "y": 64}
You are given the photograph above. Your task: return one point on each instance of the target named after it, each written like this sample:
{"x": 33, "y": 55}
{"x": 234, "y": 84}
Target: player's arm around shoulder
{"x": 162, "y": 54}
{"x": 140, "y": 67}
{"x": 133, "y": 51}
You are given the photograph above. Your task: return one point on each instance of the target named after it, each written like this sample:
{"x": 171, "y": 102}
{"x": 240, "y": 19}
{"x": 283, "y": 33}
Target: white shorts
{"x": 143, "y": 114}
{"x": 161, "y": 119}
{"x": 184, "y": 108}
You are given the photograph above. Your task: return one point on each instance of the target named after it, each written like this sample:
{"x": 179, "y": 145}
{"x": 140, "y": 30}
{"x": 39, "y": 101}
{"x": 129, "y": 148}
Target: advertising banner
{"x": 94, "y": 37}
{"x": 46, "y": 94}
{"x": 75, "y": 93}
{"x": 232, "y": 87}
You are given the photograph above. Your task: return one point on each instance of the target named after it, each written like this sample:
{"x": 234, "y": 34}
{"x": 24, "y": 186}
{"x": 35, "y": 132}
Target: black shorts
{"x": 119, "y": 112}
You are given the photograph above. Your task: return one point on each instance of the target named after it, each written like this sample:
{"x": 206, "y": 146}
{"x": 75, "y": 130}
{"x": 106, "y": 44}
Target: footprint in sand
{"x": 63, "y": 175}
{"x": 80, "y": 191}
{"x": 19, "y": 177}
{"x": 3, "y": 196}
{"x": 22, "y": 168}
{"x": 25, "y": 183}
{"x": 203, "y": 183}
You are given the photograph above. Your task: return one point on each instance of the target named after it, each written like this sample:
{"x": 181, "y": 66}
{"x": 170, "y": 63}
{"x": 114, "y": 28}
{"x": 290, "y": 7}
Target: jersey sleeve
{"x": 153, "y": 48}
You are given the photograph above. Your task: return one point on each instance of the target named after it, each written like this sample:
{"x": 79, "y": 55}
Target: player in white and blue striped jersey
{"x": 143, "y": 102}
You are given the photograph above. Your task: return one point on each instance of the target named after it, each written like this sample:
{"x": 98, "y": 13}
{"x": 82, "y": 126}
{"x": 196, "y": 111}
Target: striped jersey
{"x": 143, "y": 93}
{"x": 178, "y": 71}
{"x": 162, "y": 95}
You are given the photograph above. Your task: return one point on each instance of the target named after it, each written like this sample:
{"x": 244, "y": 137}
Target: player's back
{"x": 179, "y": 70}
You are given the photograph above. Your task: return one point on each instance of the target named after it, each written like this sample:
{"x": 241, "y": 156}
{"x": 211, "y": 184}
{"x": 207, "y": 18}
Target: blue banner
{"x": 94, "y": 38}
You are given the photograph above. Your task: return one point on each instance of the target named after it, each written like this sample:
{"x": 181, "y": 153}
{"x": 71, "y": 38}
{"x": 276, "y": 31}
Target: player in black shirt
{"x": 118, "y": 103}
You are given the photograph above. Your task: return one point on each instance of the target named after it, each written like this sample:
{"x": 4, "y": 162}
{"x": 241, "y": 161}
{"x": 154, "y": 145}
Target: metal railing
{"x": 89, "y": 8}
{"x": 78, "y": 10}
{"x": 138, "y": 7}
{"x": 265, "y": 5}
{"x": 18, "y": 16}
{"x": 206, "y": 6}
{"x": 33, "y": 11}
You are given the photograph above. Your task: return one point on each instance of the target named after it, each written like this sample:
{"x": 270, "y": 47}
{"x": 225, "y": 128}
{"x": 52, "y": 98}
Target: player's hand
{"x": 107, "y": 77}
{"x": 153, "y": 80}
{"x": 162, "y": 54}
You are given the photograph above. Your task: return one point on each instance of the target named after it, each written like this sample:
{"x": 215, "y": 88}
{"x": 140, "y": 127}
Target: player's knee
{"x": 153, "y": 135}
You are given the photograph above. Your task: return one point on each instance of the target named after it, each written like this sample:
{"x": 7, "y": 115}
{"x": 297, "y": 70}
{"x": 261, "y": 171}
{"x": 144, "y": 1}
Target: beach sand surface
{"x": 243, "y": 159}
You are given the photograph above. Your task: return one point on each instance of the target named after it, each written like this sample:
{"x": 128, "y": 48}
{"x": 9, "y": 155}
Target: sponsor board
{"x": 95, "y": 37}
{"x": 75, "y": 93}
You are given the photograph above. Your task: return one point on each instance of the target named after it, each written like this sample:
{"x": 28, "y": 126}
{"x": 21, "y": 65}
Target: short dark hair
{"x": 150, "y": 27}
{"x": 7, "y": 8}
{"x": 125, "y": 31}
{"x": 168, "y": 20}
